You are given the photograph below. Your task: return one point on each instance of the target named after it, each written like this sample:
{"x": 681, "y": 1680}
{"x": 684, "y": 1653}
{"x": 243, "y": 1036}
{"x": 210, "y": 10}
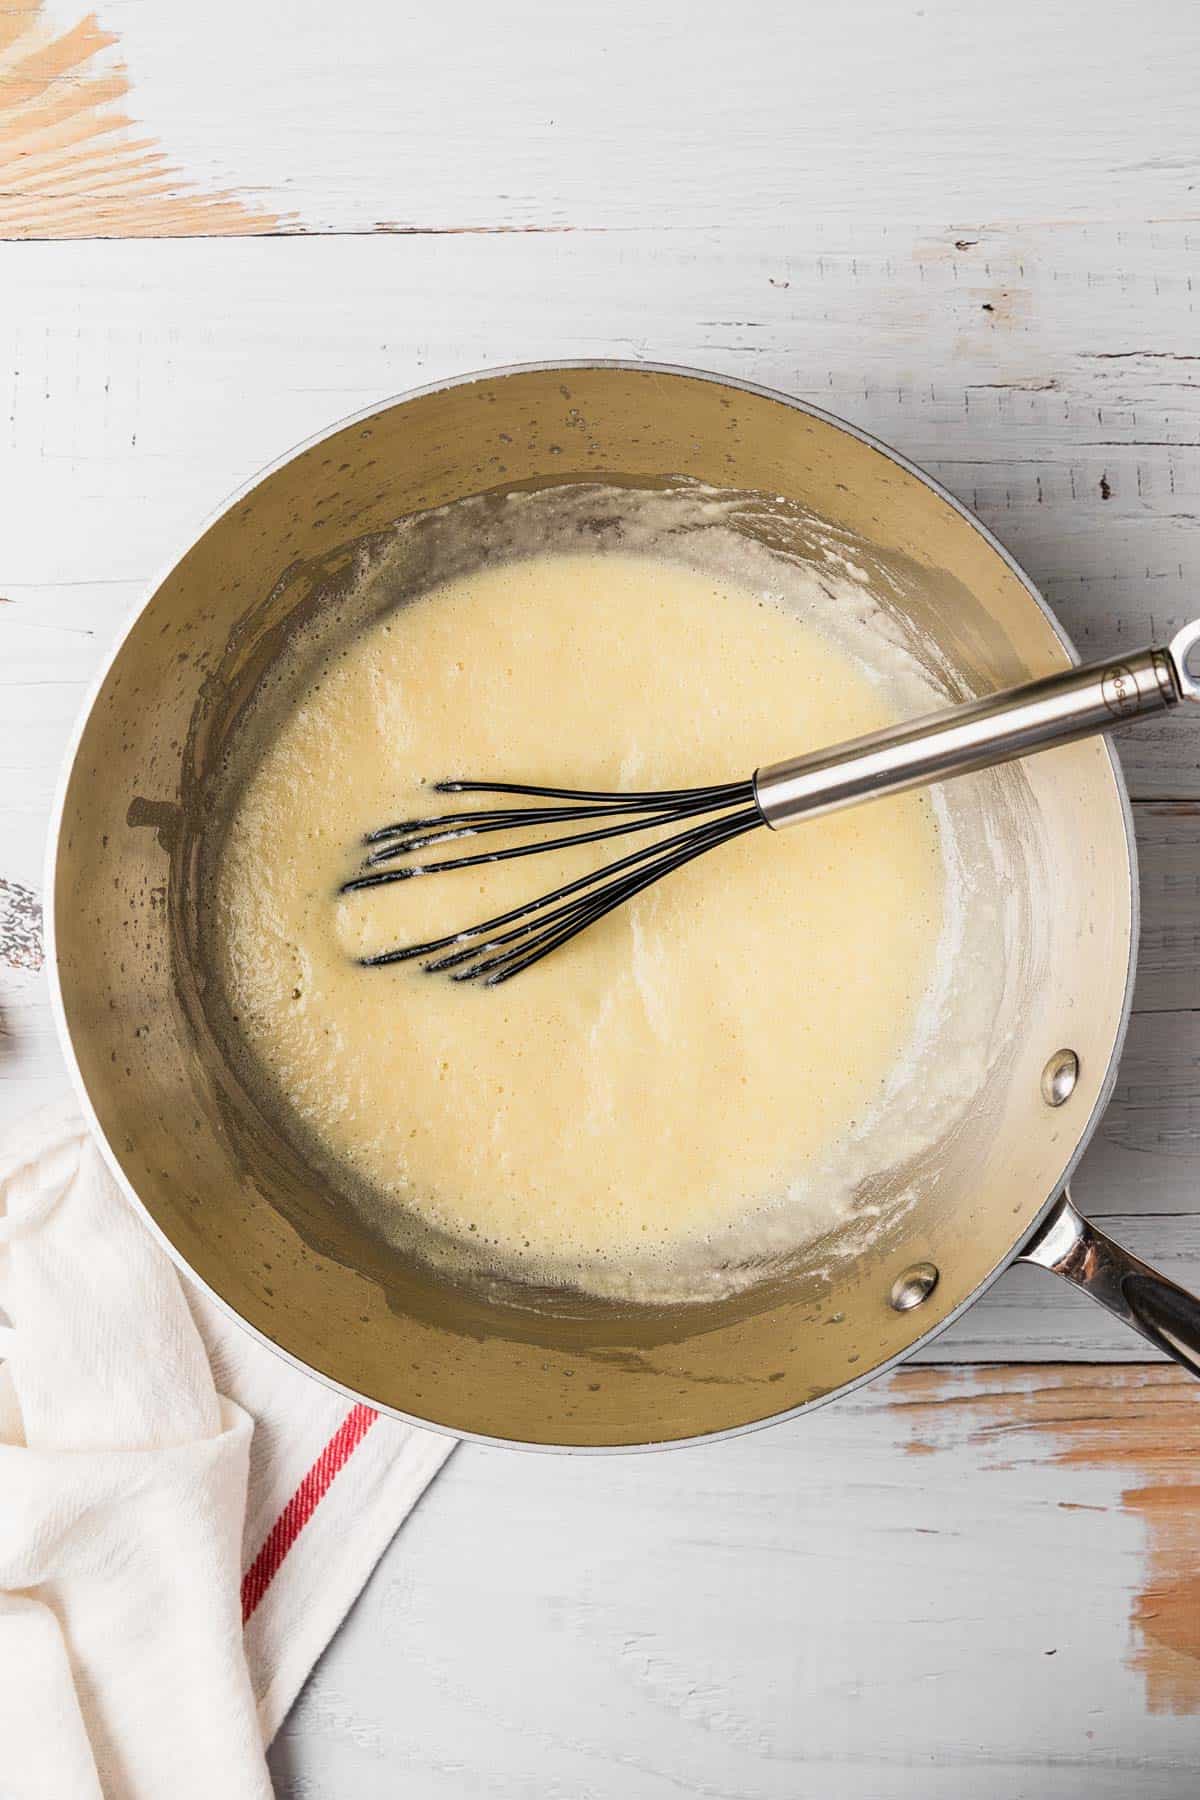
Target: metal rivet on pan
{"x": 1059, "y": 1077}
{"x": 916, "y": 1284}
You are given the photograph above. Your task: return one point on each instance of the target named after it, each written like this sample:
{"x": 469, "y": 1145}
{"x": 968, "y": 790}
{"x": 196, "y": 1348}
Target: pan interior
{"x": 249, "y": 1206}
{"x": 739, "y": 1076}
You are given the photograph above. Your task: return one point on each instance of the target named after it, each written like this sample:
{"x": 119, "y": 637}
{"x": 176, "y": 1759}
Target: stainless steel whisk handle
{"x": 998, "y": 728}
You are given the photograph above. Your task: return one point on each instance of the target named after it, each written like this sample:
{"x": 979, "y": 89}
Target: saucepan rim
{"x": 240, "y": 493}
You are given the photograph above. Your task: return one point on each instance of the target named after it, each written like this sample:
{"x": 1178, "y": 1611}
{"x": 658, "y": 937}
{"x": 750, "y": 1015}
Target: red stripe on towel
{"x": 303, "y": 1503}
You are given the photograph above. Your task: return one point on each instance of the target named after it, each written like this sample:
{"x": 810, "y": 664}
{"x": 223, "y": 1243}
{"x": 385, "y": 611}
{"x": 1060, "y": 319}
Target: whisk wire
{"x": 543, "y": 924}
{"x": 521, "y": 816}
{"x": 586, "y": 802}
{"x": 646, "y": 797}
{"x": 494, "y": 970}
{"x": 701, "y": 834}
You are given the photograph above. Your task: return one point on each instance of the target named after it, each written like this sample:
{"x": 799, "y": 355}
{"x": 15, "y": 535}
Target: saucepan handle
{"x": 1071, "y": 1246}
{"x": 995, "y": 729}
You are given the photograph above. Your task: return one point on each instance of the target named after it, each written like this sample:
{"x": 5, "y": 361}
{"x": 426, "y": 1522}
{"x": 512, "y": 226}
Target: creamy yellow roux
{"x": 682, "y": 1067}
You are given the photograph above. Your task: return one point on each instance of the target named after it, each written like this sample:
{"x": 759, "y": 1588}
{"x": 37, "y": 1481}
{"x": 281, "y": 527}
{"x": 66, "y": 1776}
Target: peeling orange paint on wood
{"x": 1142, "y": 1421}
{"x": 71, "y": 164}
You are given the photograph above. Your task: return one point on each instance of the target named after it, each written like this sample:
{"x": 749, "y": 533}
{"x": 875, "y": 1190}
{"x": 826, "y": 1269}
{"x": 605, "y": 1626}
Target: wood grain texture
{"x": 968, "y": 1581}
{"x": 72, "y": 162}
{"x": 1142, "y": 1422}
{"x": 614, "y": 115}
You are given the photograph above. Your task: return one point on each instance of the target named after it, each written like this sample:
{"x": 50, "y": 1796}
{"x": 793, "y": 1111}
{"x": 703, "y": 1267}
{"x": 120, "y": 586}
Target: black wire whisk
{"x": 500, "y": 947}
{"x": 1079, "y": 702}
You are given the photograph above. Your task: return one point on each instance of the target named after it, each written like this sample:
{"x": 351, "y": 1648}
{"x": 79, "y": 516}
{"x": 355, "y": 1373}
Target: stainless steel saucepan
{"x": 235, "y": 1202}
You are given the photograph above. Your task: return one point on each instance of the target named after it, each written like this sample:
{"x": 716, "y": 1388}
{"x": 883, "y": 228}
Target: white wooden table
{"x": 974, "y": 232}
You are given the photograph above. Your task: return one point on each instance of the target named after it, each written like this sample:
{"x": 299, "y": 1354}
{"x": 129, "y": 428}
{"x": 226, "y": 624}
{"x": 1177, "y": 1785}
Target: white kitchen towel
{"x": 184, "y": 1518}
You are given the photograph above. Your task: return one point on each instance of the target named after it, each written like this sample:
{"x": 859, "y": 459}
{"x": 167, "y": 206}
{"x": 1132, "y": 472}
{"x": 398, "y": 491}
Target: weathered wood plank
{"x": 74, "y": 162}
{"x": 152, "y": 404}
{"x": 609, "y": 117}
{"x": 957, "y": 1581}
{"x": 1168, "y": 841}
